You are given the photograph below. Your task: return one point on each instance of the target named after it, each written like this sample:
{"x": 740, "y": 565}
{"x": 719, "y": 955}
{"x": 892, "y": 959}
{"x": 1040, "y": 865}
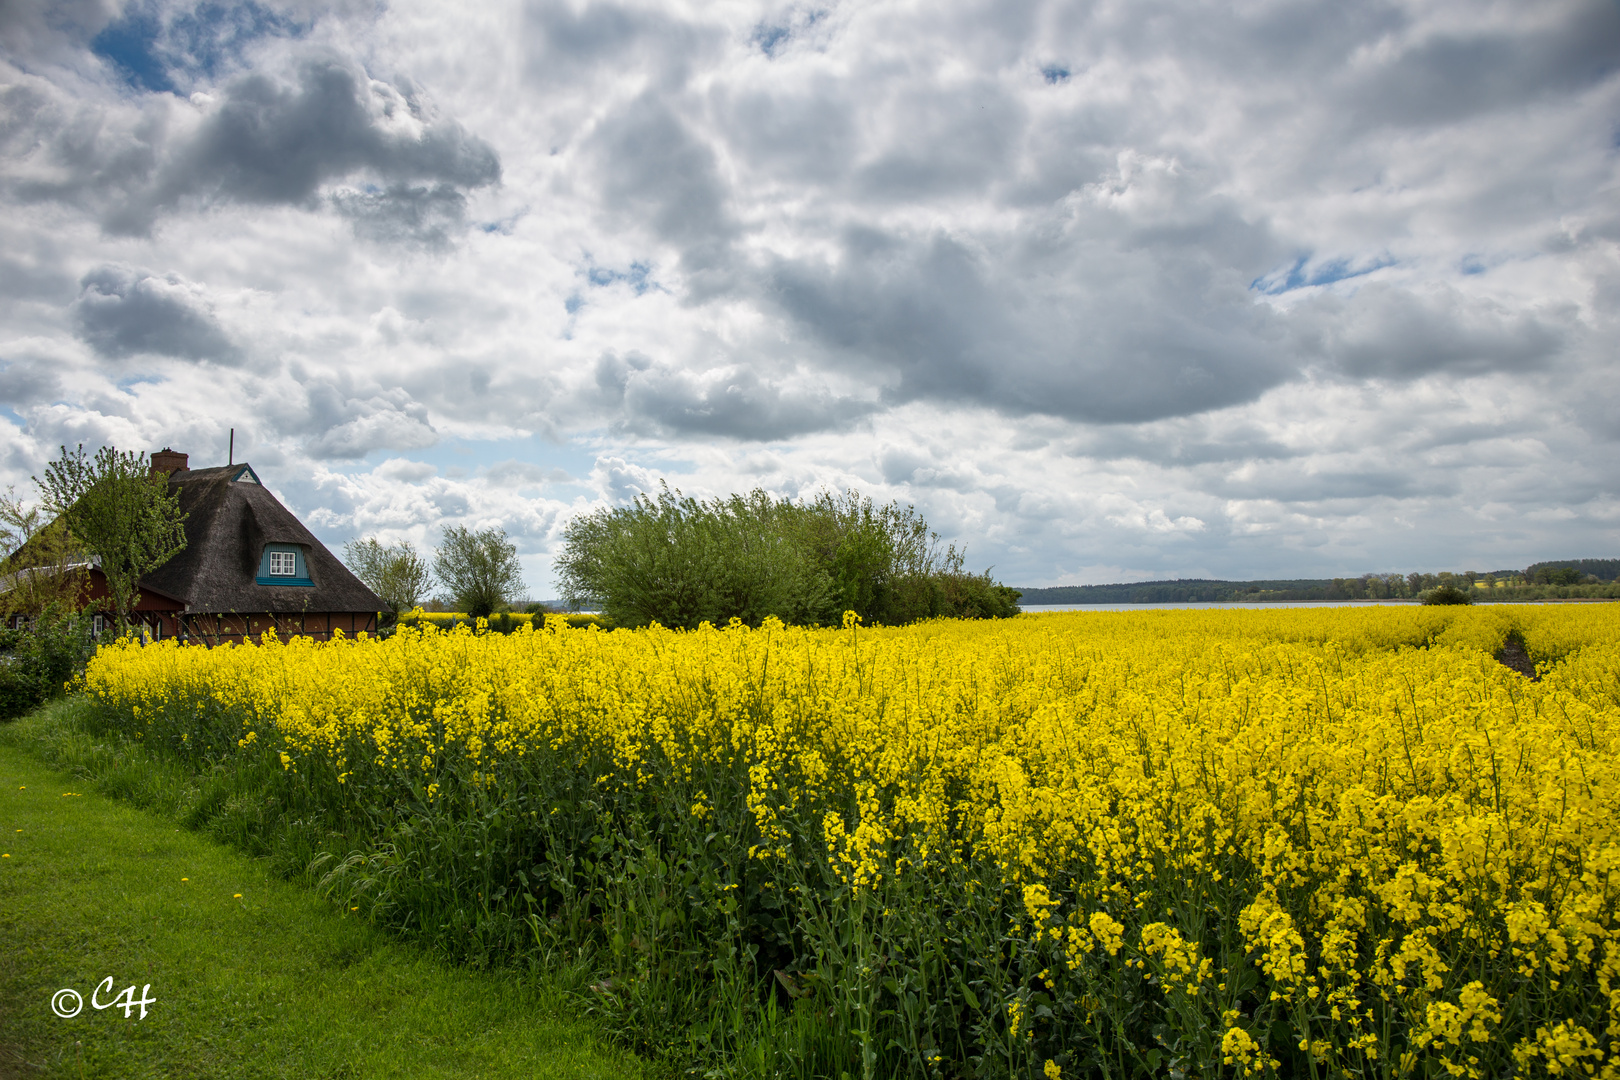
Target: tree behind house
{"x": 40, "y": 565}
{"x": 118, "y": 511}
{"x": 395, "y": 572}
{"x": 479, "y": 570}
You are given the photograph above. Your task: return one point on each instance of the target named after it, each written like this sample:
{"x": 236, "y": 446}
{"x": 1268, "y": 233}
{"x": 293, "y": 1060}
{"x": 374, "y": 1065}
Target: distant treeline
{"x": 1541, "y": 573}
{"x": 1561, "y": 579}
{"x": 1182, "y": 589}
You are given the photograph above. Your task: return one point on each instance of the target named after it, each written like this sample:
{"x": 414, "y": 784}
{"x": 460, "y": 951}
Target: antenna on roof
{"x": 231, "y": 458}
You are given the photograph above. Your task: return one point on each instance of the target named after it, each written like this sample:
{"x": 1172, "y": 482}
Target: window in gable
{"x": 283, "y": 564}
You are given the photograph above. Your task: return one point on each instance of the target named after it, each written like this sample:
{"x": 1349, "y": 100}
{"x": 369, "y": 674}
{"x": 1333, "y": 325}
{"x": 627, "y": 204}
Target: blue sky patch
{"x": 636, "y": 277}
{"x": 769, "y": 37}
{"x": 198, "y": 45}
{"x": 131, "y": 43}
{"x": 1303, "y": 273}
{"x": 1055, "y": 73}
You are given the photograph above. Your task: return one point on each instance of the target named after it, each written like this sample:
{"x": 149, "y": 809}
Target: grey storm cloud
{"x": 914, "y": 468}
{"x": 1451, "y": 76}
{"x": 123, "y": 312}
{"x": 518, "y": 474}
{"x": 570, "y": 43}
{"x": 1189, "y": 441}
{"x": 28, "y": 383}
{"x": 402, "y": 213}
{"x": 945, "y": 323}
{"x": 268, "y": 142}
{"x": 264, "y": 139}
{"x": 51, "y": 30}
{"x": 20, "y": 106}
{"x": 338, "y": 419}
{"x": 732, "y": 402}
{"x": 1394, "y": 333}
{"x": 954, "y": 140}
{"x": 34, "y": 279}
{"x": 655, "y": 171}
{"x": 1292, "y": 486}
{"x": 796, "y": 134}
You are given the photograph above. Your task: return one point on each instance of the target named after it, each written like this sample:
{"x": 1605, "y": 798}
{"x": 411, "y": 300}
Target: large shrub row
{"x": 680, "y": 562}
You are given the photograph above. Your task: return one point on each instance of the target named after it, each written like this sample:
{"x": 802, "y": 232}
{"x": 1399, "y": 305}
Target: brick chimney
{"x": 166, "y": 462}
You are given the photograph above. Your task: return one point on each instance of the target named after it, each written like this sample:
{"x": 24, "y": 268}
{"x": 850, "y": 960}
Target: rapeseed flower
{"x": 1351, "y": 825}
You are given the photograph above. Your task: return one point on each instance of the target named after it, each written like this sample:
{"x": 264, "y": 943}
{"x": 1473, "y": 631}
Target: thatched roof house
{"x": 249, "y": 565}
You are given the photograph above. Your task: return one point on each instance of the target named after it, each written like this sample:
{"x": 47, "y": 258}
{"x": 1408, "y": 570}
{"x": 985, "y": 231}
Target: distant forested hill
{"x": 1501, "y": 585}
{"x": 1602, "y": 569}
{"x": 1180, "y": 590}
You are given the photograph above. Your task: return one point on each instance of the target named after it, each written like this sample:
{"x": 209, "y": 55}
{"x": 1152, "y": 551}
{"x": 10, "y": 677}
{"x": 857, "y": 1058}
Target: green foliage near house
{"x": 40, "y": 563}
{"x": 395, "y": 572}
{"x": 681, "y": 562}
{"x": 479, "y": 571}
{"x": 38, "y": 661}
{"x": 118, "y": 511}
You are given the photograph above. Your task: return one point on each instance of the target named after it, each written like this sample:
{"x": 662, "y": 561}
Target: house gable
{"x": 240, "y": 543}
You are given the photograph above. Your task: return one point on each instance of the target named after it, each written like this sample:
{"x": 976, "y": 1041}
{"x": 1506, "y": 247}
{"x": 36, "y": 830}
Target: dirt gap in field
{"x": 1512, "y": 655}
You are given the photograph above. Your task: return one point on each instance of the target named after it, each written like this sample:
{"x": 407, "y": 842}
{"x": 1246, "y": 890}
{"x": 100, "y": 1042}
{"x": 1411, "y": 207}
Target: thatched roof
{"x": 230, "y": 517}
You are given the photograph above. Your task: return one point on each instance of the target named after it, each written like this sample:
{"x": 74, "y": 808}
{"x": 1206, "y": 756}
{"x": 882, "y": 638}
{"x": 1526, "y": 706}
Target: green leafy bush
{"x": 478, "y": 570}
{"x": 679, "y": 562}
{"x": 37, "y": 663}
{"x": 975, "y": 596}
{"x": 1446, "y": 594}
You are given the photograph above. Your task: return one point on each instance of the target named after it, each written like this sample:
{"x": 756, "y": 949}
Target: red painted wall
{"x": 165, "y": 618}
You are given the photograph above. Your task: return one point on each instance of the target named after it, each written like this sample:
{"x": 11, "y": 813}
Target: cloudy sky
{"x": 1110, "y": 290}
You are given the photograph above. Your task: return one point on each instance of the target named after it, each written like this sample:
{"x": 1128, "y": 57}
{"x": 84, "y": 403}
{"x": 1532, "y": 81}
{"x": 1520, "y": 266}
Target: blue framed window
{"x": 283, "y": 564}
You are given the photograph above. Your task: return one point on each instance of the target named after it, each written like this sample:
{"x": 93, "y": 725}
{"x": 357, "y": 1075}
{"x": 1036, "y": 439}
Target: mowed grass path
{"x": 269, "y": 983}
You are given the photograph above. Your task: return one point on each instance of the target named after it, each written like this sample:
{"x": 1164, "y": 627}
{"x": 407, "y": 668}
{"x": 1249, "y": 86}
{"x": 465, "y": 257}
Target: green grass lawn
{"x": 252, "y": 976}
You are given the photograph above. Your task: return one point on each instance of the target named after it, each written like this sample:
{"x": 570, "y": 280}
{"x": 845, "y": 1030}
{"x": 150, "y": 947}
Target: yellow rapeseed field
{"x": 1323, "y": 842}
